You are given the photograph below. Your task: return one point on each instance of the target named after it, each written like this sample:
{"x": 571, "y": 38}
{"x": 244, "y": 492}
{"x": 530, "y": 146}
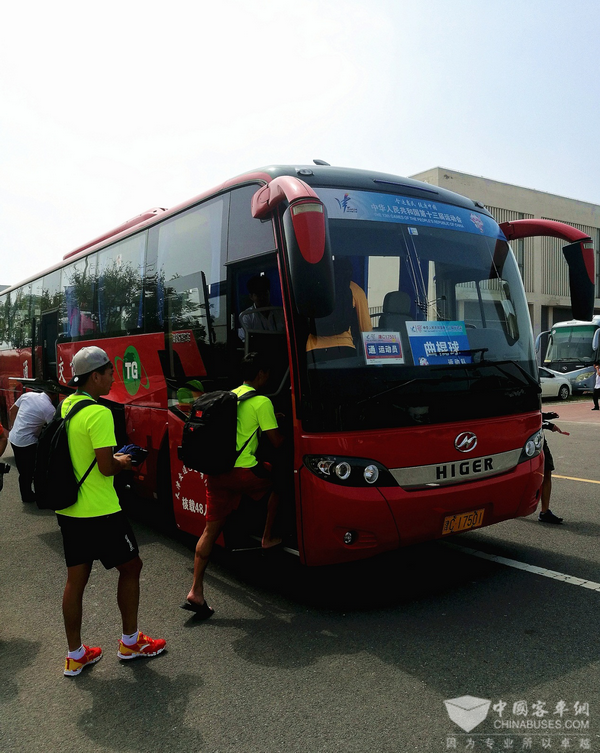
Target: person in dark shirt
{"x": 546, "y": 515}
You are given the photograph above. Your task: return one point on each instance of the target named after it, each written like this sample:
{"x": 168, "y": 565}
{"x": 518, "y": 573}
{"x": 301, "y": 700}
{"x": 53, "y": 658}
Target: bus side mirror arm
{"x": 538, "y": 340}
{"x": 579, "y": 254}
{"x": 285, "y": 188}
{"x": 307, "y": 249}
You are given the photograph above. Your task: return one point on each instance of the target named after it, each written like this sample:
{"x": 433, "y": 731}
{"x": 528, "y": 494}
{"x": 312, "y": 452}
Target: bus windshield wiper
{"x": 400, "y": 386}
{"x": 497, "y": 365}
{"x": 473, "y": 352}
{"x": 532, "y": 380}
{"x": 457, "y": 378}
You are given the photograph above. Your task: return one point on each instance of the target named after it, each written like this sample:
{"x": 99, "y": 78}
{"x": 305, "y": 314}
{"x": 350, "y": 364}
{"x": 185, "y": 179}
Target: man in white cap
{"x": 95, "y": 527}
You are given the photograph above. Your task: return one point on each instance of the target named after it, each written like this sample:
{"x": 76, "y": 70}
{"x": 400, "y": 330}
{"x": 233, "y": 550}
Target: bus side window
{"x": 120, "y": 286}
{"x": 189, "y": 292}
{"x": 258, "y": 301}
{"x": 185, "y": 295}
{"x": 248, "y": 236}
{"x": 79, "y": 283}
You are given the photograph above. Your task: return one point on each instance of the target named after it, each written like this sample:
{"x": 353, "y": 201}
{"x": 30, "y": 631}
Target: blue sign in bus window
{"x": 438, "y": 343}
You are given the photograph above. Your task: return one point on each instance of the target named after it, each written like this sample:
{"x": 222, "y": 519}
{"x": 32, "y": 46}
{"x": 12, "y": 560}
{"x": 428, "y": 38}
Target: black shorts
{"x": 108, "y": 538}
{"x": 548, "y": 459}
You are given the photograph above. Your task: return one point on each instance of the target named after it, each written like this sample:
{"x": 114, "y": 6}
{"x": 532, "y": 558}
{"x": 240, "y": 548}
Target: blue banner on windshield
{"x": 385, "y": 207}
{"x": 438, "y": 342}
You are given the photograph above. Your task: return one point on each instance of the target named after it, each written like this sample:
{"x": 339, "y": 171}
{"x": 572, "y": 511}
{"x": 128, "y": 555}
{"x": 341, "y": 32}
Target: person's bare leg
{"x": 72, "y": 604}
{"x": 202, "y": 554}
{"x": 267, "y": 540}
{"x": 128, "y": 593}
{"x": 546, "y": 491}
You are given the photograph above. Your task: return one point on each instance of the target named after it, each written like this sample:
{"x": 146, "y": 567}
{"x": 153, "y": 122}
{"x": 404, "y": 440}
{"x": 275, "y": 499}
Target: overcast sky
{"x": 108, "y": 109}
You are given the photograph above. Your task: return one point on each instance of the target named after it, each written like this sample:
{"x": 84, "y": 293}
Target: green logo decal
{"x": 132, "y": 371}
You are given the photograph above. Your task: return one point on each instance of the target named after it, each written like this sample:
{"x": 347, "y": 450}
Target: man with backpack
{"x": 224, "y": 491}
{"x": 95, "y": 527}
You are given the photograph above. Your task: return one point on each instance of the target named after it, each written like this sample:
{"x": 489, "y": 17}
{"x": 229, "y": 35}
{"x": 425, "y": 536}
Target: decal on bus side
{"x": 132, "y": 371}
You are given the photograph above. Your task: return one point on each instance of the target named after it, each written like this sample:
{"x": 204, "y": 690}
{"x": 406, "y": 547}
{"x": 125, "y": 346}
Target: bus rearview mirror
{"x": 309, "y": 258}
{"x": 580, "y": 258}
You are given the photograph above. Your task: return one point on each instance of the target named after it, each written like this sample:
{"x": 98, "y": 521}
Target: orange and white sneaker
{"x": 144, "y": 646}
{"x": 74, "y": 666}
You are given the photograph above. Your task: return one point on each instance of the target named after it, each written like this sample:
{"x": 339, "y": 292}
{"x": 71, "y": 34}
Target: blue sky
{"x": 109, "y": 109}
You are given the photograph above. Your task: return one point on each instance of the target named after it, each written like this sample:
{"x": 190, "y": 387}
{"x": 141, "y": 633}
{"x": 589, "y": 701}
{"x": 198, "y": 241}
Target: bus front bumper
{"x": 340, "y": 524}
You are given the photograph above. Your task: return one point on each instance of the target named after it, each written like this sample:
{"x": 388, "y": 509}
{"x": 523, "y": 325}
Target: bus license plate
{"x": 462, "y": 522}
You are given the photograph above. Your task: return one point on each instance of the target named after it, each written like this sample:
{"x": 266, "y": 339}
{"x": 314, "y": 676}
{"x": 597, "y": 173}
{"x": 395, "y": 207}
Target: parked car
{"x": 554, "y": 384}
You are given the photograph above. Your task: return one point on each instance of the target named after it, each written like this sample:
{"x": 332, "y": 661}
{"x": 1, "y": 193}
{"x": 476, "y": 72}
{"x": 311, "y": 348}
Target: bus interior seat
{"x": 396, "y": 311}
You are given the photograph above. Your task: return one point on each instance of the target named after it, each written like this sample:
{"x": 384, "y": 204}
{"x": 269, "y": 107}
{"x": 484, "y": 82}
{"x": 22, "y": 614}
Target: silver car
{"x": 554, "y": 384}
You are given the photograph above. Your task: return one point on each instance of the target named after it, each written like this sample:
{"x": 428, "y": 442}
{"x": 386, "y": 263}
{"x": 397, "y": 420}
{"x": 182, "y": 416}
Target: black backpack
{"x": 210, "y": 433}
{"x": 54, "y": 480}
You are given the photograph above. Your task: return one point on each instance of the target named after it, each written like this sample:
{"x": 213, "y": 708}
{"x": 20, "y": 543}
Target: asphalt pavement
{"x": 361, "y": 657}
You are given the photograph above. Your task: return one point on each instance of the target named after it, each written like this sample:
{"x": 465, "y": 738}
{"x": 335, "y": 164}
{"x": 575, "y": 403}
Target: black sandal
{"x": 202, "y": 611}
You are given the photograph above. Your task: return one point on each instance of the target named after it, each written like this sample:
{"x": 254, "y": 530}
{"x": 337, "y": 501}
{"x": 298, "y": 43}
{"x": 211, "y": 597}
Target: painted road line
{"x": 572, "y": 478}
{"x": 589, "y": 584}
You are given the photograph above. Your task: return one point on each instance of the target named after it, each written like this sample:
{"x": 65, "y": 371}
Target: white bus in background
{"x": 572, "y": 350}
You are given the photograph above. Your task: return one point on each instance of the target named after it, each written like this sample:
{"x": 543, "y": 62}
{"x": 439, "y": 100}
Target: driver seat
{"x": 396, "y": 312}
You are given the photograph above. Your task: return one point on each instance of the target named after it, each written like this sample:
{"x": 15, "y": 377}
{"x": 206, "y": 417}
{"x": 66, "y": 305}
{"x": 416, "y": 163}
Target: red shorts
{"x": 224, "y": 492}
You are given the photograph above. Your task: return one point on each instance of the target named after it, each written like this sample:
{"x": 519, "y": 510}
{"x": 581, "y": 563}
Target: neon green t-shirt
{"x": 256, "y": 412}
{"x": 90, "y": 429}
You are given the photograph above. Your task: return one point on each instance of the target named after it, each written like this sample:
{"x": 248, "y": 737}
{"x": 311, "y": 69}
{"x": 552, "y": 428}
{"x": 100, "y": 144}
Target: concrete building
{"x": 541, "y": 262}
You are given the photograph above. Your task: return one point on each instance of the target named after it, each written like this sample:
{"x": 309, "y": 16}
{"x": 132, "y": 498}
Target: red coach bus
{"x": 397, "y": 326}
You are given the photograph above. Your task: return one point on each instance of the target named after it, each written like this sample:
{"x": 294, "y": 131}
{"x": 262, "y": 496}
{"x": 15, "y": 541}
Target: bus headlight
{"x": 532, "y": 447}
{"x": 343, "y": 470}
{"x": 348, "y": 471}
{"x": 371, "y": 474}
{"x": 582, "y": 377}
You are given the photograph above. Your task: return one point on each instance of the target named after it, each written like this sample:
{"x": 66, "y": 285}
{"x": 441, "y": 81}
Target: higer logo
{"x": 467, "y": 711}
{"x": 465, "y": 442}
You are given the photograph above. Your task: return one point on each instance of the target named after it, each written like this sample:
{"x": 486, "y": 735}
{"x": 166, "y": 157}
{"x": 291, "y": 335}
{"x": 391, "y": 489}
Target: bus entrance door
{"x": 47, "y": 341}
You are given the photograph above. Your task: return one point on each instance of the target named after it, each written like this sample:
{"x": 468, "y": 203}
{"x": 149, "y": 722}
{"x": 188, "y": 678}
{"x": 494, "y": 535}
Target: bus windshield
{"x": 571, "y": 343}
{"x": 430, "y": 323}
